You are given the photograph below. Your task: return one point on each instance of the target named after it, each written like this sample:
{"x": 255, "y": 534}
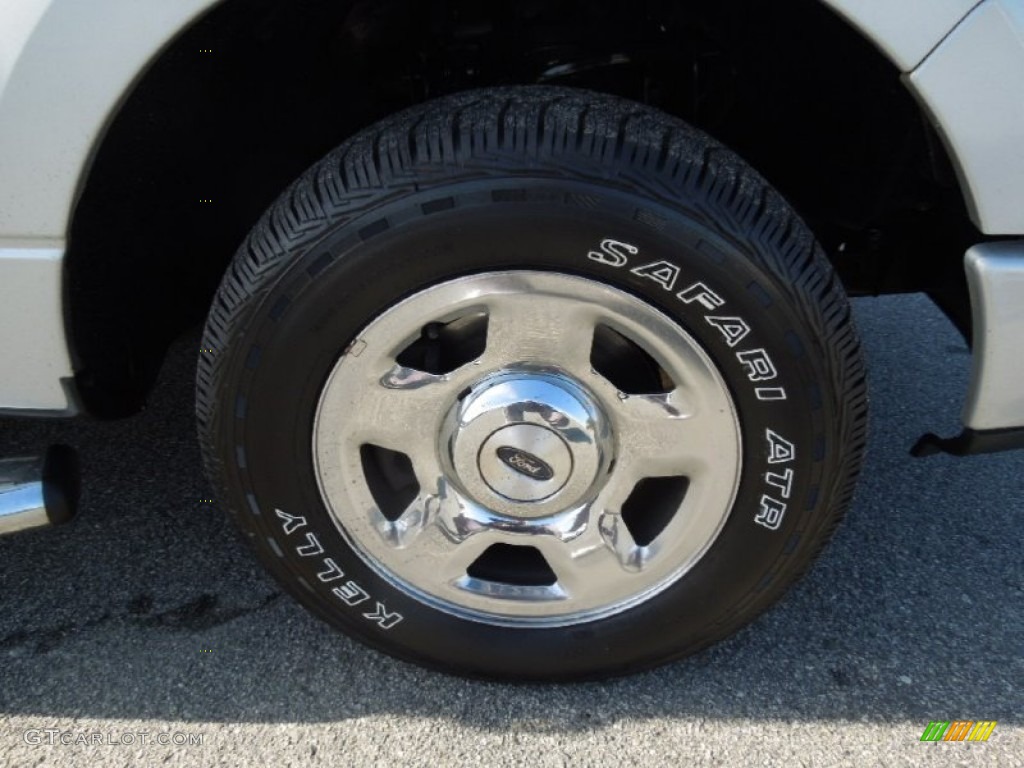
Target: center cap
{"x": 526, "y": 444}
{"x": 525, "y": 462}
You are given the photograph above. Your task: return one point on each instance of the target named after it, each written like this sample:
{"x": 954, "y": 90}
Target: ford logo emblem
{"x": 525, "y": 463}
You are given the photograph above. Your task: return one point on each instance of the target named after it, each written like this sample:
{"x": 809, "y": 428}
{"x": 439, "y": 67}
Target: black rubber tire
{"x": 445, "y": 189}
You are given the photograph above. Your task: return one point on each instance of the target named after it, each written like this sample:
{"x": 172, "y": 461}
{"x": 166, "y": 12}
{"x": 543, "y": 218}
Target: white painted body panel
{"x": 33, "y": 348}
{"x": 973, "y": 85}
{"x": 65, "y": 66}
{"x": 905, "y": 30}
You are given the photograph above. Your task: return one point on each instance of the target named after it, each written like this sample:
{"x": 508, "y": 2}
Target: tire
{"x": 533, "y": 383}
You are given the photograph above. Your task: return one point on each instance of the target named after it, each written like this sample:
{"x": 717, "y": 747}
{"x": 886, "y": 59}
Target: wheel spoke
{"x": 441, "y": 537}
{"x": 405, "y": 531}
{"x": 599, "y": 560}
{"x": 539, "y": 329}
{"x": 402, "y": 411}
{"x": 400, "y": 405}
{"x": 663, "y": 435}
{"x": 659, "y": 437}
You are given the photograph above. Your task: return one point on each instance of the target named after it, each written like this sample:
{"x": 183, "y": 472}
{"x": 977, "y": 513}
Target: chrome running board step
{"x": 38, "y": 491}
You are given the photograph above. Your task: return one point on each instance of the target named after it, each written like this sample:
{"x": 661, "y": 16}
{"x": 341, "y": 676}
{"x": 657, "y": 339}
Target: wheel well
{"x": 253, "y": 93}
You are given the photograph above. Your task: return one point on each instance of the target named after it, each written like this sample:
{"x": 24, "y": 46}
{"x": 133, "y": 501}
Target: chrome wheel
{"x": 488, "y": 447}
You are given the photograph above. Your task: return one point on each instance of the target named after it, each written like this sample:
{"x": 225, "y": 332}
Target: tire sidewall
{"x": 324, "y": 295}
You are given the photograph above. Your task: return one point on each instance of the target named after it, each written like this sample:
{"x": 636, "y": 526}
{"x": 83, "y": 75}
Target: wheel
{"x": 533, "y": 383}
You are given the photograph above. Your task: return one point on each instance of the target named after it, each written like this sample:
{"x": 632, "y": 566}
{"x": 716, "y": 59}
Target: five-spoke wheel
{"x": 526, "y": 447}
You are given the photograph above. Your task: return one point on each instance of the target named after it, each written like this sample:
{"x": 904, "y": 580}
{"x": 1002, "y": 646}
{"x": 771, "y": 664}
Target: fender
{"x": 905, "y": 31}
{"x": 973, "y": 85}
{"x": 64, "y": 70}
{"x": 65, "y": 67}
{"x": 949, "y": 51}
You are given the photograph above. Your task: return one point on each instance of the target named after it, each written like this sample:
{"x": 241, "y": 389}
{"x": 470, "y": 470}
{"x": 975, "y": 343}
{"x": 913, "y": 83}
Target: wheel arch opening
{"x": 253, "y": 93}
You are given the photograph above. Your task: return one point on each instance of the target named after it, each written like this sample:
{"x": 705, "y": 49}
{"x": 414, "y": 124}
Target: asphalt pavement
{"x": 147, "y": 620}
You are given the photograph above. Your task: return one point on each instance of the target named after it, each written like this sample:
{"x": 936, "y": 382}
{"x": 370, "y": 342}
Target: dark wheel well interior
{"x": 257, "y": 90}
